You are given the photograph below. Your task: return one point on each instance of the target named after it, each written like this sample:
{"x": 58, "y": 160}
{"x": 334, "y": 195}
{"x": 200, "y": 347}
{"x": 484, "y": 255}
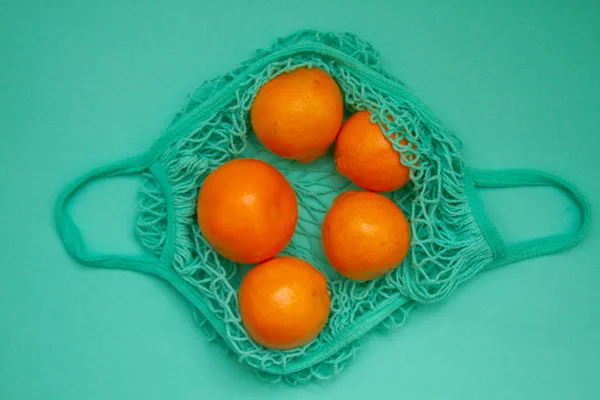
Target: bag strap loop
{"x": 506, "y": 253}
{"x": 71, "y": 234}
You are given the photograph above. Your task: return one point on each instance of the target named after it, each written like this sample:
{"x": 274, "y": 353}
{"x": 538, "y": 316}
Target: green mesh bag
{"x": 452, "y": 238}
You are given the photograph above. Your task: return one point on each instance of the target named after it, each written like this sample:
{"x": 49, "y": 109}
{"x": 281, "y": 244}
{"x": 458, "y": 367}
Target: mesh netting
{"x": 447, "y": 246}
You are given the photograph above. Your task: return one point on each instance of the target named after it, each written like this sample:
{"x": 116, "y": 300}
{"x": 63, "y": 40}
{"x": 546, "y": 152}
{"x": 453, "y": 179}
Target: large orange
{"x": 284, "y": 303}
{"x": 247, "y": 210}
{"x": 365, "y": 156}
{"x": 365, "y": 235}
{"x": 298, "y": 114}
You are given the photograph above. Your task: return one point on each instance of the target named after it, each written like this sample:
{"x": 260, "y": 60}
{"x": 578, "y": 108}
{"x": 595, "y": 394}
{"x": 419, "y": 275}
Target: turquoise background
{"x": 86, "y": 83}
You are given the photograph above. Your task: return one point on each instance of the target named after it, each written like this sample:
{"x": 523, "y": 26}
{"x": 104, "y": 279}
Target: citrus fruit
{"x": 298, "y": 114}
{"x": 365, "y": 156}
{"x": 365, "y": 235}
{"x": 247, "y": 210}
{"x": 284, "y": 303}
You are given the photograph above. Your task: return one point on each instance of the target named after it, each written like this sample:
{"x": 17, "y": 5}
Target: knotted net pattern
{"x": 447, "y": 246}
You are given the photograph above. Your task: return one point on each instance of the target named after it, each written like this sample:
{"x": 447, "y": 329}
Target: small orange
{"x": 298, "y": 114}
{"x": 247, "y": 210}
{"x": 284, "y": 303}
{"x": 365, "y": 235}
{"x": 365, "y": 156}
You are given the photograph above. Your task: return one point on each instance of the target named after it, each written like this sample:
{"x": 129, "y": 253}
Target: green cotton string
{"x": 452, "y": 238}
{"x": 435, "y": 203}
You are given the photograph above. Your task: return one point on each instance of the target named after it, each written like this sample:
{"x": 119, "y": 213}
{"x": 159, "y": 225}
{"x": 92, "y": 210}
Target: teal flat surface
{"x": 83, "y": 85}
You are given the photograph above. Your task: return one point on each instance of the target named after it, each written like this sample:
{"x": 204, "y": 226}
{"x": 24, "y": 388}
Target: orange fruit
{"x": 298, "y": 114}
{"x": 365, "y": 235}
{"x": 365, "y": 156}
{"x": 284, "y": 303}
{"x": 247, "y": 210}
